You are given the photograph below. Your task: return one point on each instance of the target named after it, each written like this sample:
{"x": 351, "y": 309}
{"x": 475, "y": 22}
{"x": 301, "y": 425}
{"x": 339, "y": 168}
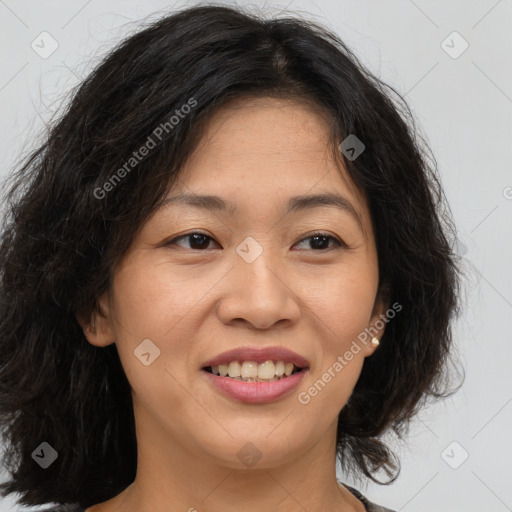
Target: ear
{"x": 97, "y": 328}
{"x": 377, "y": 321}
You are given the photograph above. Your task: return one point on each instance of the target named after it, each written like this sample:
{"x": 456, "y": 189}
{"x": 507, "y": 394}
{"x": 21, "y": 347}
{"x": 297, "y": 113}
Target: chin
{"x": 253, "y": 448}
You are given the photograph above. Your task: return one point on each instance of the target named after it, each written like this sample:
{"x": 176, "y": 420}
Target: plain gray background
{"x": 463, "y": 104}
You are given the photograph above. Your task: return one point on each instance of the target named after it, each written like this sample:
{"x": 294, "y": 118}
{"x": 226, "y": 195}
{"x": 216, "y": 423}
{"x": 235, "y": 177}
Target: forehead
{"x": 270, "y": 129}
{"x": 260, "y": 152}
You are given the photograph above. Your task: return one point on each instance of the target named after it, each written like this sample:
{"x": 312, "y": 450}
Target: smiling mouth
{"x": 250, "y": 371}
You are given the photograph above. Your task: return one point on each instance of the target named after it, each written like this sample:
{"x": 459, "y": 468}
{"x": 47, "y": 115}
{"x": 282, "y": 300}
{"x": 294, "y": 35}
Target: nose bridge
{"x": 258, "y": 292}
{"x": 257, "y": 265}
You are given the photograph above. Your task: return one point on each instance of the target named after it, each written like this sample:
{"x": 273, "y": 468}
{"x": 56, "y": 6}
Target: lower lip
{"x": 256, "y": 392}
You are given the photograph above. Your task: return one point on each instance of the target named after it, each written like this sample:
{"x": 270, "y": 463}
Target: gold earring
{"x": 375, "y": 342}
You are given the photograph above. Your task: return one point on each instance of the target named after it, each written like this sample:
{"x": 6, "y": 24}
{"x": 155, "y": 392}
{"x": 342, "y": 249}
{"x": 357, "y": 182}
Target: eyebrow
{"x": 295, "y": 203}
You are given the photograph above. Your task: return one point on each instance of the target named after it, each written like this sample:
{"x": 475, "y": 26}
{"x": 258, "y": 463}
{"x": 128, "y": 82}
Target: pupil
{"x": 195, "y": 238}
{"x": 314, "y": 240}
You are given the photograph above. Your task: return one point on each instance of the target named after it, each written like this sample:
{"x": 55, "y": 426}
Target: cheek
{"x": 151, "y": 304}
{"x": 149, "y": 301}
{"x": 328, "y": 389}
{"x": 344, "y": 303}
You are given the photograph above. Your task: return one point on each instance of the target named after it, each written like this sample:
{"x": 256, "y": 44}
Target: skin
{"x": 194, "y": 303}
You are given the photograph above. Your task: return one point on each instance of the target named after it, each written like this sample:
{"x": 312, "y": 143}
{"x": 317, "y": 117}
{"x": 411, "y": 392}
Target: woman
{"x": 144, "y": 370}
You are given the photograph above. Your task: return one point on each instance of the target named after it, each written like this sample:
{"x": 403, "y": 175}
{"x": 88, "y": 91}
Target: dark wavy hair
{"x": 60, "y": 242}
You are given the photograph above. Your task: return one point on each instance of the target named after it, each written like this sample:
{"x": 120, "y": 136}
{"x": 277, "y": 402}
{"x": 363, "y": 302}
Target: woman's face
{"x": 255, "y": 279}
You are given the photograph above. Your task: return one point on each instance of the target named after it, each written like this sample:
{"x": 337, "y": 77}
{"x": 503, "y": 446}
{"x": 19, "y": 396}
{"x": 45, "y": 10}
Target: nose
{"x": 258, "y": 294}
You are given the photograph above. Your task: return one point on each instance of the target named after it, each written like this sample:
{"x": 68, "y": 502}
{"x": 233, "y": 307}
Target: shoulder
{"x": 68, "y": 507}
{"x": 370, "y": 506}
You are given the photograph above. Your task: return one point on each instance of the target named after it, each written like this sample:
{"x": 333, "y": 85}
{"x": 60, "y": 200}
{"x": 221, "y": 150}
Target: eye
{"x": 197, "y": 240}
{"x": 200, "y": 241}
{"x": 320, "y": 241}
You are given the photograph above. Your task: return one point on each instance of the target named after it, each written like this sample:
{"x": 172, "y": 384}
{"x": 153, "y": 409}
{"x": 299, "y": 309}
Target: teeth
{"x": 266, "y": 370}
{"x": 234, "y": 369}
{"x": 251, "y": 371}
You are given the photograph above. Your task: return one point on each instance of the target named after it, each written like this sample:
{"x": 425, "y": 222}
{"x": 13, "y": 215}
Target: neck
{"x": 171, "y": 476}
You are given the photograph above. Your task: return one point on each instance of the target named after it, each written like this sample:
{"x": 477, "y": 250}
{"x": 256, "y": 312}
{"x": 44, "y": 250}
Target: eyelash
{"x": 339, "y": 243}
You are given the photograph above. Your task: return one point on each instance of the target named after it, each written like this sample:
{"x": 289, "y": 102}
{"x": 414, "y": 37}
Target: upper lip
{"x": 258, "y": 355}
